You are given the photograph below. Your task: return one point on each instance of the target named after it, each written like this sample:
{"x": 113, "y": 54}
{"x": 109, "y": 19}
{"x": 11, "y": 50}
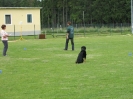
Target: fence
{"x": 32, "y": 31}
{"x": 17, "y": 31}
{"x": 90, "y": 29}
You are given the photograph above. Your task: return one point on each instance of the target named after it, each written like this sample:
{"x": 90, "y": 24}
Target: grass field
{"x": 41, "y": 69}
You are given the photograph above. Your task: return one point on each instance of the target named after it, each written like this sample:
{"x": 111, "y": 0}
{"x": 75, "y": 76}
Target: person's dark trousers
{"x": 5, "y": 47}
{"x": 67, "y": 41}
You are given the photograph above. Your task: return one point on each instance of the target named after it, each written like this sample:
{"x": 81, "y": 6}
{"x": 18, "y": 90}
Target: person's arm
{"x": 67, "y": 34}
{"x": 4, "y": 34}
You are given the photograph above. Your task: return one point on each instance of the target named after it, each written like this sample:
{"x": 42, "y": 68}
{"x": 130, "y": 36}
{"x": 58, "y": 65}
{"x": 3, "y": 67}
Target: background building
{"x": 21, "y": 20}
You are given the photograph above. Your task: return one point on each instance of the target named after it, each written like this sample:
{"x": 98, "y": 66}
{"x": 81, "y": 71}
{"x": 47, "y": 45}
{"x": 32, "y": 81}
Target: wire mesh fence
{"x": 90, "y": 29}
{"x": 33, "y": 31}
{"x": 27, "y": 31}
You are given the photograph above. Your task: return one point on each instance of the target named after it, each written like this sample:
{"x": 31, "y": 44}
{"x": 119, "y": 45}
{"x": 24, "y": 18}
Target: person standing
{"x": 69, "y": 35}
{"x": 4, "y": 38}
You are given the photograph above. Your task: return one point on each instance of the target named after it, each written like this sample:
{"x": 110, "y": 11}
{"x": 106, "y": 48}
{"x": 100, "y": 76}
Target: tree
{"x": 55, "y": 12}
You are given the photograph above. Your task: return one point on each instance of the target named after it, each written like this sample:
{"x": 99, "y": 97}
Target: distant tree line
{"x": 55, "y": 12}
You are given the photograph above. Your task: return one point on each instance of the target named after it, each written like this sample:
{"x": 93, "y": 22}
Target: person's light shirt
{"x": 3, "y": 33}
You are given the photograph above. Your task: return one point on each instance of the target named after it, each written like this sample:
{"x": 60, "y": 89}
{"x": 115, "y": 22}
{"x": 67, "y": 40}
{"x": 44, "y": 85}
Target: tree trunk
{"x": 63, "y": 15}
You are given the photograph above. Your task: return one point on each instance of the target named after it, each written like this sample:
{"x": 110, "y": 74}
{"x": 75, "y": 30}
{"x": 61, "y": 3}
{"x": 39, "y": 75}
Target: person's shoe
{"x": 65, "y": 49}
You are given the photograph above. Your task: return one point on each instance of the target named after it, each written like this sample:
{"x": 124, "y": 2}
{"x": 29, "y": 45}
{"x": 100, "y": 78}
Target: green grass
{"x": 45, "y": 71}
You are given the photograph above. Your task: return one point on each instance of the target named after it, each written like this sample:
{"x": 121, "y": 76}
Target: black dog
{"x": 82, "y": 55}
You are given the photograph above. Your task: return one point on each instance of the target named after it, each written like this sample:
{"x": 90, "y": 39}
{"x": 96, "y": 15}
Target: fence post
{"x": 121, "y": 28}
{"x": 97, "y": 29}
{"x": 76, "y": 28}
{"x": 14, "y": 32}
{"x": 52, "y": 30}
{"x": 84, "y": 29}
{"x": 34, "y": 31}
{"x": 57, "y": 29}
{"x": 110, "y": 29}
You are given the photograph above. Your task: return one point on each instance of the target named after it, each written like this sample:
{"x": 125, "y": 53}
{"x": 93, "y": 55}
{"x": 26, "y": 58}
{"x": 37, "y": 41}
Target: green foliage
{"x": 60, "y": 11}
